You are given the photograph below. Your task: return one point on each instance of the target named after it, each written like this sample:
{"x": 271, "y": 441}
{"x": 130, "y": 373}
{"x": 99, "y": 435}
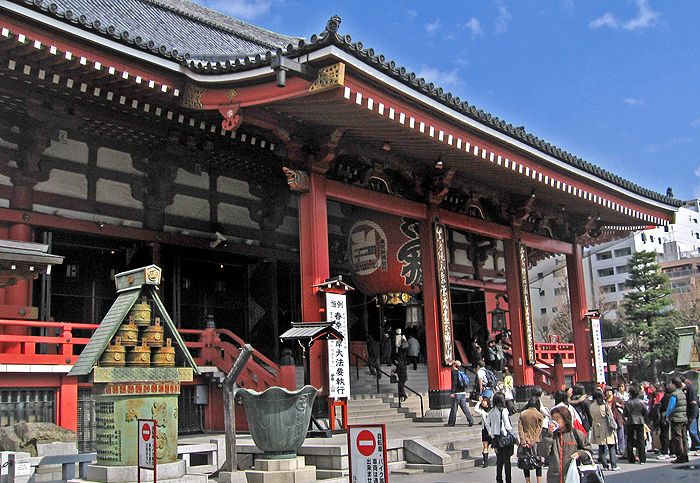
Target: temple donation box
{"x": 136, "y": 360}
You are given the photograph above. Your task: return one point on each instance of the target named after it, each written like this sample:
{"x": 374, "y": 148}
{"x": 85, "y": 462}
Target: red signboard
{"x": 384, "y": 253}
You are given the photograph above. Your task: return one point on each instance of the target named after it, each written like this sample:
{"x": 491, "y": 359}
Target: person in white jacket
{"x": 499, "y": 424}
{"x": 483, "y": 409}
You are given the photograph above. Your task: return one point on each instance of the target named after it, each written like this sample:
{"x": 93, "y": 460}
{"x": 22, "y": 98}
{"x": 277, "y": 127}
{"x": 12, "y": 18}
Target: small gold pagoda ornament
{"x": 114, "y": 355}
{"x": 139, "y": 356}
{"x": 165, "y": 356}
{"x": 141, "y": 312}
{"x": 153, "y": 335}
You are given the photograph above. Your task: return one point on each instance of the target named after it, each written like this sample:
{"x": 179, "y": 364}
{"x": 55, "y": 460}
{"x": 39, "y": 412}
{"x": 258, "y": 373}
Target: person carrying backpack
{"x": 458, "y": 393}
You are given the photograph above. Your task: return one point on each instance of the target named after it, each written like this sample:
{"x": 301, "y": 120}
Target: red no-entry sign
{"x": 367, "y": 453}
{"x": 146, "y": 447}
{"x": 366, "y": 443}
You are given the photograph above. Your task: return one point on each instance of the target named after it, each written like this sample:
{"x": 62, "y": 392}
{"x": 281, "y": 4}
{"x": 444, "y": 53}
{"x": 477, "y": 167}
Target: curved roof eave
{"x": 329, "y": 42}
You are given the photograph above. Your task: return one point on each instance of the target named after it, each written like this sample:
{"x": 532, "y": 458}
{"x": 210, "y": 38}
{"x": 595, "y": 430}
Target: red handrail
{"x": 260, "y": 372}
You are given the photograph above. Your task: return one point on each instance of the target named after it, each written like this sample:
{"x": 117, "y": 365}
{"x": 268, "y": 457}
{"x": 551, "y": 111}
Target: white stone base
{"x": 231, "y": 477}
{"x": 168, "y": 472}
{"x": 293, "y": 470}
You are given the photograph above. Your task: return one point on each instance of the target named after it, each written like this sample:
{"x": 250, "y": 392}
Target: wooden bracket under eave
{"x": 329, "y": 77}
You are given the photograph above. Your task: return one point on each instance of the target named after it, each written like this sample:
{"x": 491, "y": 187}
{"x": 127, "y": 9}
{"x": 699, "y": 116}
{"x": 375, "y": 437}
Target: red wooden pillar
{"x": 314, "y": 262}
{"x": 68, "y": 403}
{"x": 20, "y": 294}
{"x": 439, "y": 381}
{"x": 523, "y": 374}
{"x": 579, "y": 307}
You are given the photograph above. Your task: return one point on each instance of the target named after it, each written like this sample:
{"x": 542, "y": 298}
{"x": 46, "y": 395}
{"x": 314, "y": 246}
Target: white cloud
{"x": 474, "y": 27}
{"x": 695, "y": 122}
{"x": 442, "y": 78}
{"x": 432, "y": 27}
{"x": 605, "y": 20}
{"x": 646, "y": 17}
{"x": 697, "y": 172}
{"x": 568, "y": 7}
{"x": 247, "y": 9}
{"x": 412, "y": 13}
{"x": 503, "y": 19}
{"x": 633, "y": 101}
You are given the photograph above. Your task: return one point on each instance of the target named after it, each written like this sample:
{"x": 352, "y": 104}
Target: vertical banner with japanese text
{"x": 598, "y": 350}
{"x": 528, "y": 328}
{"x": 443, "y": 288}
{"x": 338, "y": 355}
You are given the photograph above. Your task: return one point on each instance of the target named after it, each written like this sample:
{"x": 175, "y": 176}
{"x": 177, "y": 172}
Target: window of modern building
{"x": 540, "y": 275}
{"x": 543, "y": 310}
{"x": 651, "y": 238}
{"x": 623, "y": 252}
{"x": 621, "y": 287}
{"x": 604, "y": 255}
{"x": 606, "y": 272}
{"x": 608, "y": 288}
{"x": 697, "y": 235}
{"x": 622, "y": 269}
{"x": 542, "y": 293}
{"x": 643, "y": 237}
{"x": 695, "y": 220}
{"x": 666, "y": 228}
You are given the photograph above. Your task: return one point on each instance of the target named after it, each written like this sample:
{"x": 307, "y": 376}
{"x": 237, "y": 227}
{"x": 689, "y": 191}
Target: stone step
{"x": 447, "y": 468}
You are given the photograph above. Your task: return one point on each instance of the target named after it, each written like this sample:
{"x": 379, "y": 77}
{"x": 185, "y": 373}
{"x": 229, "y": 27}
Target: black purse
{"x": 500, "y": 441}
{"x": 528, "y": 458}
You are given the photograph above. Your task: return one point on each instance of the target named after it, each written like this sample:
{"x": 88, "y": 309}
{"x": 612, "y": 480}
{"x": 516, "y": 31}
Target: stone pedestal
{"x": 168, "y": 472}
{"x": 292, "y": 470}
{"x": 232, "y": 477}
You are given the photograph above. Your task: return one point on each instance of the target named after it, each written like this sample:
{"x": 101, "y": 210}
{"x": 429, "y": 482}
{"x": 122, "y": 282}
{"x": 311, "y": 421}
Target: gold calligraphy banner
{"x": 528, "y": 327}
{"x": 443, "y": 289}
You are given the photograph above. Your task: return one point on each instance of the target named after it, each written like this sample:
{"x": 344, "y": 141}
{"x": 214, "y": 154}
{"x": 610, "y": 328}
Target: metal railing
{"x": 378, "y": 376}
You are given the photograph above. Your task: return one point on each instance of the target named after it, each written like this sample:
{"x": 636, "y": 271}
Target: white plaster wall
{"x": 116, "y": 193}
{"x": 235, "y": 187}
{"x": 5, "y": 180}
{"x": 189, "y": 207}
{"x": 189, "y": 179}
{"x": 116, "y": 161}
{"x": 71, "y": 150}
{"x": 72, "y": 185}
{"x": 235, "y": 215}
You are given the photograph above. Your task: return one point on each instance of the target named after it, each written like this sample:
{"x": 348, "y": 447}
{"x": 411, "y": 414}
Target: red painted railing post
{"x": 67, "y": 345}
{"x": 558, "y": 372}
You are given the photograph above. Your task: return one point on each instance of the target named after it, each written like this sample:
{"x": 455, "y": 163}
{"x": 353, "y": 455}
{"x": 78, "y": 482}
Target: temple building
{"x": 252, "y": 166}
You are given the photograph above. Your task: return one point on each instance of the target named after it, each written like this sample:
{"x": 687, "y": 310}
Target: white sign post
{"x": 338, "y": 354}
{"x": 147, "y": 447}
{"x": 367, "y": 445}
{"x": 598, "y": 350}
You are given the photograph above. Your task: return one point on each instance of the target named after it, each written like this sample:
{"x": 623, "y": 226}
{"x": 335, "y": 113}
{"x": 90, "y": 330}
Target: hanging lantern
{"x": 384, "y": 255}
{"x": 498, "y": 316}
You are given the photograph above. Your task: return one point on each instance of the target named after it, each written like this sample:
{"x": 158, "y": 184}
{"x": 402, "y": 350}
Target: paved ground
{"x": 654, "y": 471}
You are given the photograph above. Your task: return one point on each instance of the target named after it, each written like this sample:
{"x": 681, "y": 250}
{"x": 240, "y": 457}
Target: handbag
{"x": 393, "y": 378}
{"x": 528, "y": 458}
{"x": 501, "y": 441}
{"x": 591, "y": 473}
{"x": 474, "y": 395}
{"x": 612, "y": 424}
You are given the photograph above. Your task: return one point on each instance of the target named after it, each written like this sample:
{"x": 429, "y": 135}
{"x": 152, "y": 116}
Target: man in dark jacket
{"x": 676, "y": 412}
{"x": 635, "y": 415}
{"x": 459, "y": 397}
{"x": 691, "y": 398}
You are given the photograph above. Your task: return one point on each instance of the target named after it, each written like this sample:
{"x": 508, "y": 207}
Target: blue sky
{"x": 615, "y": 82}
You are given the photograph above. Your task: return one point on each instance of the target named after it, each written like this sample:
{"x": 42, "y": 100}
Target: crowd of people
{"x": 625, "y": 424}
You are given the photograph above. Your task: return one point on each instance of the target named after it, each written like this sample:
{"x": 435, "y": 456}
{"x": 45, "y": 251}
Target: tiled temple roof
{"x": 175, "y": 29}
{"x": 211, "y": 43}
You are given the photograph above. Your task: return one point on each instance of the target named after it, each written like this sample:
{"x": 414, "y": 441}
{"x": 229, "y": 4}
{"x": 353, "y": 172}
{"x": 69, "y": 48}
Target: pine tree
{"x": 646, "y": 315}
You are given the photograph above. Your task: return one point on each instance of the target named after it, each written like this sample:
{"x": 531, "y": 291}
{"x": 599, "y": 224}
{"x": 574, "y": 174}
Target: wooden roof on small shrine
{"x": 130, "y": 286}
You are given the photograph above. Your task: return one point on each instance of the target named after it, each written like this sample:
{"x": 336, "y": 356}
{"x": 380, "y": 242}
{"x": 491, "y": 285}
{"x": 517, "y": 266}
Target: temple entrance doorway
{"x": 469, "y": 320}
